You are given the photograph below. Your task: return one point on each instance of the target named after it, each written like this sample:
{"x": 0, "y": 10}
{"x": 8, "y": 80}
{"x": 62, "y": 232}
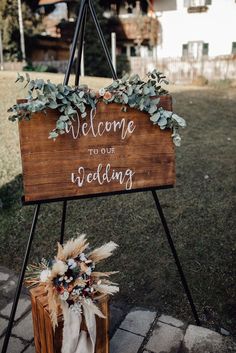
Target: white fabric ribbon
{"x": 74, "y": 339}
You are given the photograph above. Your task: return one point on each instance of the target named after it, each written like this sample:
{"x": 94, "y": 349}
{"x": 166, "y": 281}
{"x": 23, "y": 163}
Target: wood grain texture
{"x": 47, "y": 341}
{"x": 48, "y": 165}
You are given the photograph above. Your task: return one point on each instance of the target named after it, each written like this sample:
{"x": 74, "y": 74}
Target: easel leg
{"x": 102, "y": 39}
{"x": 175, "y": 255}
{"x": 78, "y": 28}
{"x": 63, "y": 220}
{"x": 80, "y": 47}
{"x": 20, "y": 280}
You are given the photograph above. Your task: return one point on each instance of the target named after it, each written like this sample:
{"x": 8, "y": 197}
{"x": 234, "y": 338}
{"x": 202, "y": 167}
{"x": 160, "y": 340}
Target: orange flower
{"x": 70, "y": 288}
{"x": 107, "y": 95}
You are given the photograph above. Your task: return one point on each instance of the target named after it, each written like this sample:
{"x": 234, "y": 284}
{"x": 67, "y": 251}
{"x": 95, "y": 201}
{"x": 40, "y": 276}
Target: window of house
{"x": 234, "y": 48}
{"x": 185, "y": 50}
{"x": 133, "y": 51}
{"x": 195, "y": 50}
{"x": 205, "y": 49}
{"x": 196, "y": 3}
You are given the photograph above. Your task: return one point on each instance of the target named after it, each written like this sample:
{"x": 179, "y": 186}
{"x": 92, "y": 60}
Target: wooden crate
{"x": 47, "y": 341}
{"x": 143, "y": 158}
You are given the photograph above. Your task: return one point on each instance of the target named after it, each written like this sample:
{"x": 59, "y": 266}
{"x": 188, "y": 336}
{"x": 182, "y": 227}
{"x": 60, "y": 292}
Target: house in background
{"x": 183, "y": 38}
{"x": 196, "y": 28}
{"x": 135, "y": 25}
{"x": 195, "y": 38}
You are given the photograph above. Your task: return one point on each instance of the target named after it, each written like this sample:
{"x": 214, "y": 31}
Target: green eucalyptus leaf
{"x": 27, "y": 77}
{"x": 156, "y": 101}
{"x": 39, "y": 83}
{"x": 53, "y": 135}
{"x": 60, "y": 125}
{"x": 70, "y": 111}
{"x": 167, "y": 114}
{"x": 155, "y": 117}
{"x": 83, "y": 87}
{"x": 63, "y": 118}
{"x": 146, "y": 90}
{"x": 181, "y": 122}
{"x": 130, "y": 91}
{"x": 81, "y": 94}
{"x": 115, "y": 84}
{"x": 19, "y": 78}
{"x": 53, "y": 105}
{"x": 31, "y": 85}
{"x": 60, "y": 88}
{"x": 162, "y": 121}
{"x": 125, "y": 98}
{"x": 153, "y": 109}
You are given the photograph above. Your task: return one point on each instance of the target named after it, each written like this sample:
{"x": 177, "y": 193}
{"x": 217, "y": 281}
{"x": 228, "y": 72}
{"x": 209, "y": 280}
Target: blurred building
{"x": 195, "y": 38}
{"x": 196, "y": 28}
{"x": 183, "y": 38}
{"x": 134, "y": 23}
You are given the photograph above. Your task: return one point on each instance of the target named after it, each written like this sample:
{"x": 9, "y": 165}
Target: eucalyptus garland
{"x": 129, "y": 92}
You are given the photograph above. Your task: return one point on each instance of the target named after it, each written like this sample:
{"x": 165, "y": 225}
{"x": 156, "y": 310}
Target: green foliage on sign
{"x": 70, "y": 101}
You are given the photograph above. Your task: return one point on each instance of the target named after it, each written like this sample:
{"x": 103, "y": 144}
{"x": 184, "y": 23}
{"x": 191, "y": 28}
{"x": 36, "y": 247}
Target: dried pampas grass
{"x": 103, "y": 252}
{"x": 106, "y": 289}
{"x": 72, "y": 248}
{"x": 53, "y": 304}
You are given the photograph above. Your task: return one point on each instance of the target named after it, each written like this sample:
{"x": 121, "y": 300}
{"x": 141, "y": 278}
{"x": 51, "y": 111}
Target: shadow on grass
{"x": 10, "y": 193}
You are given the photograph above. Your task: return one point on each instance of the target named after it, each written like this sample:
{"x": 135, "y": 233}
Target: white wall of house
{"x": 216, "y": 26}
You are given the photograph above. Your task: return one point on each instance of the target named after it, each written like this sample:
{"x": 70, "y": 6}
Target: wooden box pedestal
{"x": 47, "y": 341}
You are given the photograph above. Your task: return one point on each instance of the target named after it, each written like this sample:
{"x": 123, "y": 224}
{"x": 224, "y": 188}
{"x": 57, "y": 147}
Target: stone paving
{"x": 135, "y": 331}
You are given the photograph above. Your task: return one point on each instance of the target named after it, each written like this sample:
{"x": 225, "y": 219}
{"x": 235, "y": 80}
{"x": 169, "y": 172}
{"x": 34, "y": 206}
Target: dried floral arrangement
{"x": 132, "y": 92}
{"x": 73, "y": 285}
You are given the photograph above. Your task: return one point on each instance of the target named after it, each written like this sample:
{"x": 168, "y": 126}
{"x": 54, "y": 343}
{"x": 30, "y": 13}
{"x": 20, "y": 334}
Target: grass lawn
{"x": 199, "y": 211}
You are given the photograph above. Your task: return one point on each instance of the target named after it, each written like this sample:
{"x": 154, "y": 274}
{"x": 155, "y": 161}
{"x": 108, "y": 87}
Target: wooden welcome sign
{"x": 108, "y": 151}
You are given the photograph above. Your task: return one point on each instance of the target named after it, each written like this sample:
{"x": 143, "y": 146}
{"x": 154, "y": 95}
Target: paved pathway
{"x": 138, "y": 331}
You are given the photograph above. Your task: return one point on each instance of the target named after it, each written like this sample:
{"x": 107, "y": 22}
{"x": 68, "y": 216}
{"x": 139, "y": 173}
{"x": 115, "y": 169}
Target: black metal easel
{"x": 79, "y": 38}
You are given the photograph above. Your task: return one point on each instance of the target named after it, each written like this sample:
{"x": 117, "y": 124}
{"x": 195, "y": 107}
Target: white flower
{"x": 44, "y": 275}
{"x": 82, "y": 257}
{"x": 77, "y": 308}
{"x": 89, "y": 271}
{"x": 60, "y": 267}
{"x": 71, "y": 263}
{"x": 177, "y": 140}
{"x": 64, "y": 296}
{"x": 102, "y": 91}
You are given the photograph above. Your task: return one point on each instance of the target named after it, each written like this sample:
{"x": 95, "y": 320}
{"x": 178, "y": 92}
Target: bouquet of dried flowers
{"x": 73, "y": 284}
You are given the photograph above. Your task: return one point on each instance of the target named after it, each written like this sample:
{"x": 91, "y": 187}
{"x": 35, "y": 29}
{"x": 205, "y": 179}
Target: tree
{"x": 95, "y": 59}
{"x": 9, "y": 25}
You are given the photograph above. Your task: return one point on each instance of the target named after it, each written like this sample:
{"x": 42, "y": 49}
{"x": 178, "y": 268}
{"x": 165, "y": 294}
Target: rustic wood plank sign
{"x": 108, "y": 151}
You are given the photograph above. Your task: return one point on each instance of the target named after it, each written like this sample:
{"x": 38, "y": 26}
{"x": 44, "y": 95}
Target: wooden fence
{"x": 185, "y": 71}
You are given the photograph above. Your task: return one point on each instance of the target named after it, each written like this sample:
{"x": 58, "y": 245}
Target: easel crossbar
{"x": 79, "y": 33}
